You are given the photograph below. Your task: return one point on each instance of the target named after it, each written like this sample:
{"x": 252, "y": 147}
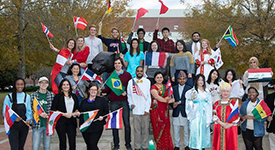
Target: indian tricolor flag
{"x": 259, "y": 75}
{"x": 154, "y": 58}
{"x": 261, "y": 111}
{"x": 51, "y": 122}
{"x": 88, "y": 117}
{"x": 114, "y": 120}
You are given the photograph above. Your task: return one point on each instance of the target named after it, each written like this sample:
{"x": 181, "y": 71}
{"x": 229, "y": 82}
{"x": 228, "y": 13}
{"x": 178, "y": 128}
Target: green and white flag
{"x": 88, "y": 118}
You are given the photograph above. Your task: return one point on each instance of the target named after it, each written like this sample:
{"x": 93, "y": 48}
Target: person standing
{"x": 143, "y": 45}
{"x": 117, "y": 102}
{"x": 94, "y": 44}
{"x": 270, "y": 101}
{"x": 179, "y": 114}
{"x": 66, "y": 102}
{"x": 20, "y": 103}
{"x": 93, "y": 102}
{"x": 212, "y": 85}
{"x": 139, "y": 99}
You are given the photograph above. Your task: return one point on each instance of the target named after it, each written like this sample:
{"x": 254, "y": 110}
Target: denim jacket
{"x": 259, "y": 129}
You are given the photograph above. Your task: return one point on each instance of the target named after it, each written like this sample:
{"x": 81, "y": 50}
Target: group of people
{"x": 201, "y": 100}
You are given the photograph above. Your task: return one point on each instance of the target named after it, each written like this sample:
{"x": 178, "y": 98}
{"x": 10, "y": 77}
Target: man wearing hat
{"x": 179, "y": 118}
{"x": 44, "y": 98}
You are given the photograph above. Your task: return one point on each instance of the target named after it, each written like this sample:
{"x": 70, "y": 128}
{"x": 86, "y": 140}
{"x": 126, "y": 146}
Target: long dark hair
{"x": 60, "y": 87}
{"x": 91, "y": 85}
{"x": 66, "y": 46}
{"x": 132, "y": 49}
{"x": 197, "y": 79}
{"x": 233, "y": 74}
{"x": 210, "y": 74}
{"x": 183, "y": 43}
{"x": 14, "y": 91}
{"x": 71, "y": 67}
{"x": 150, "y": 46}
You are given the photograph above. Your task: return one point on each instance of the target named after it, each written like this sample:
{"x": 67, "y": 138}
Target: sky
{"x": 155, "y": 4}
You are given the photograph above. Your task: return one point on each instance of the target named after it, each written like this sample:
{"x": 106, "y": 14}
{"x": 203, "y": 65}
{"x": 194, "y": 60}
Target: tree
{"x": 253, "y": 22}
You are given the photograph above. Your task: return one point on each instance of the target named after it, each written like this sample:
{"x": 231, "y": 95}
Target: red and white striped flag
{"x": 51, "y": 122}
{"x": 137, "y": 90}
{"x": 80, "y": 23}
{"x": 46, "y": 31}
{"x": 114, "y": 120}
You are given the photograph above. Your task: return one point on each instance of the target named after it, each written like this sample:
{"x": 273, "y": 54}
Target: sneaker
{"x": 129, "y": 147}
{"x": 176, "y": 148}
{"x": 115, "y": 148}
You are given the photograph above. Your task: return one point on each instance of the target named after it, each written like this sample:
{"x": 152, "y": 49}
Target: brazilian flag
{"x": 115, "y": 84}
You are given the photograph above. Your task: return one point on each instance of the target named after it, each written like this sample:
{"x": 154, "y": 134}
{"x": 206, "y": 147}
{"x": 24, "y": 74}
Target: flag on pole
{"x": 230, "y": 36}
{"x": 46, "y": 31}
{"x": 261, "y": 111}
{"x": 37, "y": 110}
{"x": 80, "y": 23}
{"x": 234, "y": 115}
{"x": 141, "y": 12}
{"x": 114, "y": 120}
{"x": 9, "y": 118}
{"x": 51, "y": 122}
{"x": 91, "y": 76}
{"x": 109, "y": 7}
{"x": 217, "y": 56}
{"x": 88, "y": 119}
{"x": 115, "y": 84}
{"x": 137, "y": 90}
{"x": 169, "y": 88}
{"x": 155, "y": 58}
{"x": 123, "y": 44}
{"x": 163, "y": 8}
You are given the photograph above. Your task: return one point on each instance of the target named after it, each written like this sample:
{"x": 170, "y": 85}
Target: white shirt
{"x": 69, "y": 103}
{"x": 250, "y": 107}
{"x": 141, "y": 104}
{"x": 95, "y": 46}
{"x": 195, "y": 55}
{"x": 214, "y": 90}
{"x": 181, "y": 87}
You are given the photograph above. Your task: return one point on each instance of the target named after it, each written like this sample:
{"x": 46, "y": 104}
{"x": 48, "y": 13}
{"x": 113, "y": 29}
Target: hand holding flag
{"x": 169, "y": 88}
{"x": 37, "y": 110}
{"x": 230, "y": 36}
{"x": 9, "y": 118}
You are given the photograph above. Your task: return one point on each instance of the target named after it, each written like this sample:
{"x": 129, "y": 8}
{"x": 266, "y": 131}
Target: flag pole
{"x": 104, "y": 83}
{"x": 75, "y": 28}
{"x": 21, "y": 119}
{"x": 39, "y": 105}
{"x": 223, "y": 35}
{"x": 270, "y": 121}
{"x": 87, "y": 111}
{"x": 81, "y": 77}
{"x": 103, "y": 16}
{"x": 107, "y": 114}
{"x": 134, "y": 23}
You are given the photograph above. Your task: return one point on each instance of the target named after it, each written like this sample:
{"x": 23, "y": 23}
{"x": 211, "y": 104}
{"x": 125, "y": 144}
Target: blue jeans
{"x": 36, "y": 136}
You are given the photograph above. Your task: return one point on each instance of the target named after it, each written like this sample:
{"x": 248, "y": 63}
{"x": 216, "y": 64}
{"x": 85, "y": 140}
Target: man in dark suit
{"x": 270, "y": 101}
{"x": 179, "y": 114}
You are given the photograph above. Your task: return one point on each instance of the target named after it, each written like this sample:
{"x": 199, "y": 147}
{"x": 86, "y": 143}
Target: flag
{"x": 10, "y": 117}
{"x": 91, "y": 76}
{"x": 234, "y": 115}
{"x": 137, "y": 90}
{"x": 141, "y": 12}
{"x": 37, "y": 110}
{"x": 114, "y": 120}
{"x": 51, "y": 122}
{"x": 88, "y": 117}
{"x": 155, "y": 58}
{"x": 217, "y": 56}
{"x": 259, "y": 75}
{"x": 261, "y": 111}
{"x": 115, "y": 84}
{"x": 273, "y": 112}
{"x": 169, "y": 88}
{"x": 46, "y": 31}
{"x": 123, "y": 44}
{"x": 61, "y": 59}
{"x": 80, "y": 23}
{"x": 163, "y": 8}
{"x": 230, "y": 36}
{"x": 109, "y": 7}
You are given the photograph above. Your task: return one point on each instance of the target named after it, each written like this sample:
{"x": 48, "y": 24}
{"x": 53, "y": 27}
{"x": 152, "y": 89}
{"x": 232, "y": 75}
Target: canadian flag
{"x": 80, "y": 23}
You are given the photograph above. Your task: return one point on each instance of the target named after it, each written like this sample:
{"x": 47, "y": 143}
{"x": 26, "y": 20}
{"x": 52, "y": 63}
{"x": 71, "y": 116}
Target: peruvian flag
{"x": 46, "y": 31}
{"x": 141, "y": 12}
{"x": 169, "y": 88}
{"x": 80, "y": 23}
{"x": 91, "y": 76}
{"x": 155, "y": 58}
{"x": 51, "y": 122}
{"x": 163, "y": 8}
{"x": 61, "y": 59}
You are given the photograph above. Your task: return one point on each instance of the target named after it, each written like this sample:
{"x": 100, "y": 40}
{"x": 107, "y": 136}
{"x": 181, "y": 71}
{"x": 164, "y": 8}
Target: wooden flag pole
{"x": 22, "y": 119}
{"x": 103, "y": 16}
{"x": 75, "y": 28}
{"x": 48, "y": 39}
{"x": 270, "y": 121}
{"x": 107, "y": 114}
{"x": 134, "y": 23}
{"x": 223, "y": 35}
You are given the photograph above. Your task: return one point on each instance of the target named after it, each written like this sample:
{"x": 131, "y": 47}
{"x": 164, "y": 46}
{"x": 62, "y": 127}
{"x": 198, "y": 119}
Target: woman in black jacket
{"x": 93, "y": 102}
{"x": 67, "y": 103}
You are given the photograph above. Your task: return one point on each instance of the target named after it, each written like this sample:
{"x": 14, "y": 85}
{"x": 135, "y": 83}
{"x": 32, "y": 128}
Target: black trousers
{"x": 18, "y": 135}
{"x": 91, "y": 139}
{"x": 251, "y": 141}
{"x": 126, "y": 121}
{"x": 70, "y": 131}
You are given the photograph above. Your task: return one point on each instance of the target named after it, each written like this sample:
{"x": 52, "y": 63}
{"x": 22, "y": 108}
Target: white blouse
{"x": 69, "y": 103}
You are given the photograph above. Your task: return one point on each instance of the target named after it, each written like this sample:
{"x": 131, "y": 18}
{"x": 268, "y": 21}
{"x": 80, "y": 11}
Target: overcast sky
{"x": 155, "y": 4}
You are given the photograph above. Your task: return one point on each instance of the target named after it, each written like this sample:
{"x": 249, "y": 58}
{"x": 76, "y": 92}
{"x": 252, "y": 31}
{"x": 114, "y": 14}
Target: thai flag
{"x": 10, "y": 117}
{"x": 91, "y": 76}
{"x": 155, "y": 58}
{"x": 46, "y": 31}
{"x": 234, "y": 115}
{"x": 80, "y": 23}
{"x": 169, "y": 88}
{"x": 114, "y": 120}
{"x": 51, "y": 122}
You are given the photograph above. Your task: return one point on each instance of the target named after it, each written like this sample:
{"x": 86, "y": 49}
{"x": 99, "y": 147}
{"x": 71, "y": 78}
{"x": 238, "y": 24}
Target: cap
{"x": 43, "y": 79}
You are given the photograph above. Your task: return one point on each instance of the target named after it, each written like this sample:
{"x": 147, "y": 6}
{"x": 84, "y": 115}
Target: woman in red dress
{"x": 82, "y": 53}
{"x": 159, "y": 114}
{"x": 225, "y": 128}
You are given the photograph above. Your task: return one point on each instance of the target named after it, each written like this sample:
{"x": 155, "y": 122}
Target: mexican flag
{"x": 88, "y": 117}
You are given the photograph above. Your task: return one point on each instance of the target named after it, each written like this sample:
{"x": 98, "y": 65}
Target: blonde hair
{"x": 255, "y": 59}
{"x": 209, "y": 49}
{"x": 81, "y": 48}
{"x": 225, "y": 86}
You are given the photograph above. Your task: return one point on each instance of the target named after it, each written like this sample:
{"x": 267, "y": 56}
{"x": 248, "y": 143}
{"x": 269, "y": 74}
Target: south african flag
{"x": 230, "y": 36}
